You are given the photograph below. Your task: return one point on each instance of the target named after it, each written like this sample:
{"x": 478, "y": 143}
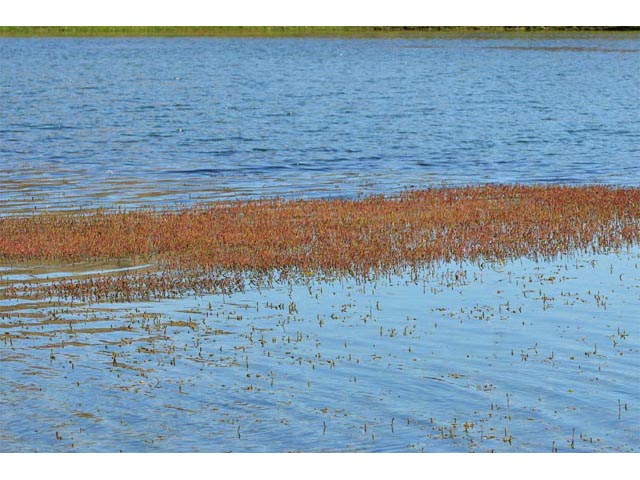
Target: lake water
{"x": 159, "y": 120}
{"x": 517, "y": 356}
{"x": 523, "y": 356}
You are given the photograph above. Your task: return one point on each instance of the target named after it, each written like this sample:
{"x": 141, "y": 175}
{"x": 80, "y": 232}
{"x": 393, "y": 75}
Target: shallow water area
{"x": 514, "y": 356}
{"x": 521, "y": 356}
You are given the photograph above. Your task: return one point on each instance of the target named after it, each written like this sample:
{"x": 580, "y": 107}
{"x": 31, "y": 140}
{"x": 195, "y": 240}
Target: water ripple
{"x": 195, "y": 119}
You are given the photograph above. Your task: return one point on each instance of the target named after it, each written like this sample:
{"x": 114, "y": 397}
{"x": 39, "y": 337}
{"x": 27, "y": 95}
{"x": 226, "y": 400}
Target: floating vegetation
{"x": 129, "y": 287}
{"x": 498, "y": 318}
{"x": 217, "y": 248}
{"x": 513, "y": 356}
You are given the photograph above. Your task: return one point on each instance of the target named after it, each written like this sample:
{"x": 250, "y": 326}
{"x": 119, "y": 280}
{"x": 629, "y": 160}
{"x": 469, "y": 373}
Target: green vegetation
{"x": 105, "y": 31}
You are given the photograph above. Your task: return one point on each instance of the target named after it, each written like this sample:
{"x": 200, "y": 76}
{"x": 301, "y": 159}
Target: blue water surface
{"x": 132, "y": 121}
{"x": 515, "y": 356}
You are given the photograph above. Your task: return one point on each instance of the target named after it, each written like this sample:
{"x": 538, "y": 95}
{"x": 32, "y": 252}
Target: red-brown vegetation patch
{"x": 203, "y": 248}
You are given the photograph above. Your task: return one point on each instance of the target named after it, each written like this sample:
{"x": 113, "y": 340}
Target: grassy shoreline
{"x": 291, "y": 31}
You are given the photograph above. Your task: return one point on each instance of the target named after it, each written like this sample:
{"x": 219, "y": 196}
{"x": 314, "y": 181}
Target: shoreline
{"x": 303, "y": 31}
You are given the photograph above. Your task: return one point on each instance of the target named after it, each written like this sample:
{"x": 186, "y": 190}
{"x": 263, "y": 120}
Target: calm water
{"x": 136, "y": 121}
{"x": 522, "y": 356}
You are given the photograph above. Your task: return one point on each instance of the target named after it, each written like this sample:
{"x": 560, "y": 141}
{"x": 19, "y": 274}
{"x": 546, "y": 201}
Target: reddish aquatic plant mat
{"x": 337, "y": 236}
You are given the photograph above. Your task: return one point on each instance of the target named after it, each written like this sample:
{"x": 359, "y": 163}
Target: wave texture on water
{"x": 112, "y": 121}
